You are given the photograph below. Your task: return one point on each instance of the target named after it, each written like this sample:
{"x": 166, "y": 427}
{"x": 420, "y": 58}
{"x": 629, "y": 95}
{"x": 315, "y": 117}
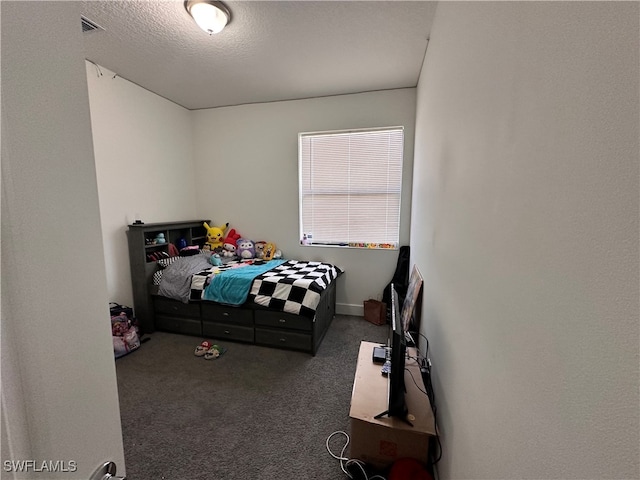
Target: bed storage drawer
{"x": 283, "y": 339}
{"x": 283, "y": 320}
{"x": 225, "y": 331}
{"x": 188, "y": 326}
{"x": 226, "y": 314}
{"x": 167, "y": 306}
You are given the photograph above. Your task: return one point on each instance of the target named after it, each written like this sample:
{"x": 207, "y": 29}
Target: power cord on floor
{"x": 350, "y": 463}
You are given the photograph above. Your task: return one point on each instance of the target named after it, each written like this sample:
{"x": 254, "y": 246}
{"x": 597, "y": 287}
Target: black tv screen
{"x": 397, "y": 406}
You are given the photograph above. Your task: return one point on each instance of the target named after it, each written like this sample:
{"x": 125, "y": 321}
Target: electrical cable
{"x": 344, "y": 461}
{"x": 416, "y": 383}
{"x": 425, "y": 364}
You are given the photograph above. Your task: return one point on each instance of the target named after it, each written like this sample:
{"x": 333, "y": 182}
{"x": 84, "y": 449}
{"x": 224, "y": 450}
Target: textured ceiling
{"x": 270, "y": 51}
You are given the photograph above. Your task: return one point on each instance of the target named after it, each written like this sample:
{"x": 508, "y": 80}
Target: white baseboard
{"x": 349, "y": 309}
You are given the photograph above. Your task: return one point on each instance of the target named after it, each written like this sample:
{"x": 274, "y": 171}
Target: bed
{"x": 278, "y": 303}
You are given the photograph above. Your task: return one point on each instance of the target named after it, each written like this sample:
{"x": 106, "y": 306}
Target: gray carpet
{"x": 254, "y": 413}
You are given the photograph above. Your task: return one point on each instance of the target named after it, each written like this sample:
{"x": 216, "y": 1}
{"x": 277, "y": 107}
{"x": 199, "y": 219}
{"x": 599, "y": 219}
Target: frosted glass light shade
{"x": 210, "y": 16}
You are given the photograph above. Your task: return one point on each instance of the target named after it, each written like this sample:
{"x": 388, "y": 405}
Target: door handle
{"x": 106, "y": 472}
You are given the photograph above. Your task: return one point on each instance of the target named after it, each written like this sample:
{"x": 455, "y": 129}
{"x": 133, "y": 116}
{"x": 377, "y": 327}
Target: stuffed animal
{"x": 215, "y": 260}
{"x": 246, "y": 249}
{"x": 259, "y": 246}
{"x": 269, "y": 251}
{"x": 214, "y": 236}
{"x": 230, "y": 244}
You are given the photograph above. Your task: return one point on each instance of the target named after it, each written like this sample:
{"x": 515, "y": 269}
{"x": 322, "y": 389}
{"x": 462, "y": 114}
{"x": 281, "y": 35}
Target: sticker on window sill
{"x": 372, "y": 245}
{"x": 368, "y": 245}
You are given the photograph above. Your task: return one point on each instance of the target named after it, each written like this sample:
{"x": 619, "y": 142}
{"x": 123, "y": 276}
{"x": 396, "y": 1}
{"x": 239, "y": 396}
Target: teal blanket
{"x": 232, "y": 286}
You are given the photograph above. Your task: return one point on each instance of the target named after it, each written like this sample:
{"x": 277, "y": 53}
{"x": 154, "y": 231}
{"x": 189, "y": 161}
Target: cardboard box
{"x": 375, "y": 312}
{"x": 379, "y": 442}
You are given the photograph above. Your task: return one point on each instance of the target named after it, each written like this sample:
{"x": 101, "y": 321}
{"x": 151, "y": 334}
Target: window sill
{"x": 359, "y": 246}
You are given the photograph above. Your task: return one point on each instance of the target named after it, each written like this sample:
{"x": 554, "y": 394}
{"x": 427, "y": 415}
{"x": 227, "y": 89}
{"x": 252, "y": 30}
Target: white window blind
{"x": 350, "y": 187}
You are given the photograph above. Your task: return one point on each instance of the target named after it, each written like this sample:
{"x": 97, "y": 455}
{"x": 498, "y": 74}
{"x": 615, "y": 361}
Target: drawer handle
{"x": 227, "y": 332}
{"x": 282, "y": 320}
{"x": 226, "y": 314}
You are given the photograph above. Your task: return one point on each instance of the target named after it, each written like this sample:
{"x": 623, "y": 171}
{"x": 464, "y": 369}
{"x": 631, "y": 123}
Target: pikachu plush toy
{"x": 215, "y": 235}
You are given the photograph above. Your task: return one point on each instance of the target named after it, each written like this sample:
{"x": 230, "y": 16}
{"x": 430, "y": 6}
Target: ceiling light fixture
{"x": 211, "y": 16}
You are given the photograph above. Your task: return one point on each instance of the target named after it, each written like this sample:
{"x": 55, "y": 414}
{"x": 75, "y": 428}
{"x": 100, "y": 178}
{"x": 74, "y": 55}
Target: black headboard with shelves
{"x": 144, "y": 249}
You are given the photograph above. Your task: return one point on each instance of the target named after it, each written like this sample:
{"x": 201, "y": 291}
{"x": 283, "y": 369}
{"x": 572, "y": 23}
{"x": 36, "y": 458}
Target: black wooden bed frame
{"x": 250, "y": 323}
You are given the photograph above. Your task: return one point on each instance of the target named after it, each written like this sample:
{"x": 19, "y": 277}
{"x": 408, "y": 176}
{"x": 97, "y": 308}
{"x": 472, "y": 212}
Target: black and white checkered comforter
{"x": 294, "y": 287}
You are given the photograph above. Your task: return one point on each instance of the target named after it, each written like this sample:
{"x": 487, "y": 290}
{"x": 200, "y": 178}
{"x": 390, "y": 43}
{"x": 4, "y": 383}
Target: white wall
{"x": 525, "y": 227}
{"x": 144, "y": 163}
{"x": 59, "y": 391}
{"x": 247, "y": 174}
{"x": 166, "y": 163}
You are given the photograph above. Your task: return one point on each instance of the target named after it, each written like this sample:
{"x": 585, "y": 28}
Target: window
{"x": 350, "y": 187}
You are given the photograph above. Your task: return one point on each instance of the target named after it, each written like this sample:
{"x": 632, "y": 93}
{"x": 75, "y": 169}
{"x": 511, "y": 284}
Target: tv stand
{"x": 386, "y": 413}
{"x": 376, "y": 438}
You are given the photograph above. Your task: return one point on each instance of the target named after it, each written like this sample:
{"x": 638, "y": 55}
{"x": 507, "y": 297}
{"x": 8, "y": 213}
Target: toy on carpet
{"x": 214, "y": 236}
{"x": 246, "y": 249}
{"x": 214, "y": 352}
{"x": 202, "y": 348}
{"x": 230, "y": 244}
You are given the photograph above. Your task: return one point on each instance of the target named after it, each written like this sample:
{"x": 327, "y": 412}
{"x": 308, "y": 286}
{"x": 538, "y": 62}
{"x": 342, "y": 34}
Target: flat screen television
{"x": 396, "y": 406}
